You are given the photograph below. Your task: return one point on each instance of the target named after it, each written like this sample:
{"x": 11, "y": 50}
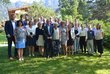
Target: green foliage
{"x": 101, "y": 10}
{"x": 83, "y": 9}
{"x": 68, "y": 8}
{"x": 37, "y": 10}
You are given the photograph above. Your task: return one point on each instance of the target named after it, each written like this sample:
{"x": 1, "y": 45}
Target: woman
{"x": 99, "y": 39}
{"x": 64, "y": 37}
{"x": 82, "y": 41}
{"x": 40, "y": 38}
{"x": 30, "y": 38}
{"x": 71, "y": 37}
{"x": 76, "y": 41}
{"x": 56, "y": 39}
{"x": 20, "y": 36}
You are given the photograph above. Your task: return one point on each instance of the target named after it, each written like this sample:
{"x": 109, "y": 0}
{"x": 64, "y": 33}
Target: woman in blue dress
{"x": 20, "y": 36}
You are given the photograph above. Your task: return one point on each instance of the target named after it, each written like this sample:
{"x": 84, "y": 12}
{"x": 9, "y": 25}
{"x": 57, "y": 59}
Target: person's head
{"x": 48, "y": 22}
{"x": 44, "y": 20}
{"x": 22, "y": 17}
{"x": 30, "y": 23}
{"x": 12, "y": 17}
{"x": 89, "y": 27}
{"x": 35, "y": 21}
{"x": 82, "y": 27}
{"x": 98, "y": 26}
{"x": 63, "y": 24}
{"x": 39, "y": 25}
{"x": 55, "y": 25}
{"x": 19, "y": 23}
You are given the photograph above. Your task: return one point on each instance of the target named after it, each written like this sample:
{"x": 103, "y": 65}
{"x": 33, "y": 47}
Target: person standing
{"x": 71, "y": 37}
{"x": 30, "y": 38}
{"x": 20, "y": 38}
{"x": 56, "y": 39}
{"x": 39, "y": 35}
{"x": 90, "y": 38}
{"x": 64, "y": 37}
{"x": 9, "y": 30}
{"x": 99, "y": 39}
{"x": 76, "y": 40}
{"x": 48, "y": 31}
{"x": 83, "y": 35}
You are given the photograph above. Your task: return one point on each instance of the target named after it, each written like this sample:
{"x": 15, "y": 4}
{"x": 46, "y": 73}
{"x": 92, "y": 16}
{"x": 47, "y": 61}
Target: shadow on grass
{"x": 78, "y": 64}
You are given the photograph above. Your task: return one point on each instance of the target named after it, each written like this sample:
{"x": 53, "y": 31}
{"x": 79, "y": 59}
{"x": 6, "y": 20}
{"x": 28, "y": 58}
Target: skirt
{"x": 70, "y": 42}
{"x": 30, "y": 41}
{"x": 20, "y": 44}
{"x": 40, "y": 41}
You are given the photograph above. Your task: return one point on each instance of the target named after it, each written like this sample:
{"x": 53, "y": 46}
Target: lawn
{"x": 2, "y": 37}
{"x": 76, "y": 64}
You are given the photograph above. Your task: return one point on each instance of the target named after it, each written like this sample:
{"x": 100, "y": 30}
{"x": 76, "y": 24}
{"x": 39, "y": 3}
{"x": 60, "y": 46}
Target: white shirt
{"x": 83, "y": 32}
{"x": 98, "y": 34}
{"x": 14, "y": 25}
{"x": 56, "y": 34}
{"x": 49, "y": 29}
{"x": 30, "y": 30}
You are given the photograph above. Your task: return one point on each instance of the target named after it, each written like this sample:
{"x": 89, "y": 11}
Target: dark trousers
{"x": 48, "y": 48}
{"x": 10, "y": 40}
{"x": 83, "y": 43}
{"x": 95, "y": 46}
{"x": 56, "y": 47}
{"x": 100, "y": 45}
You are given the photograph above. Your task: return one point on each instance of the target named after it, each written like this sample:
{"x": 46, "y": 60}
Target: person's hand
{"x": 50, "y": 37}
{"x": 8, "y": 36}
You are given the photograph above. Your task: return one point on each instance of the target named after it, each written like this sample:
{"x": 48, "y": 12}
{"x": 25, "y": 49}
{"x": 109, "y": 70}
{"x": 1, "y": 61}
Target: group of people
{"x": 52, "y": 37}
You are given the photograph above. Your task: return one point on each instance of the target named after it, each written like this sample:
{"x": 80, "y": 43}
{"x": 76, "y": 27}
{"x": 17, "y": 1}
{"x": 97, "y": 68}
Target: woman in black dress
{"x": 71, "y": 36}
{"x": 40, "y": 38}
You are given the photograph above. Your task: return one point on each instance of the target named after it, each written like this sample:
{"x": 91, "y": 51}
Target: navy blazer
{"x": 9, "y": 28}
{"x": 46, "y": 31}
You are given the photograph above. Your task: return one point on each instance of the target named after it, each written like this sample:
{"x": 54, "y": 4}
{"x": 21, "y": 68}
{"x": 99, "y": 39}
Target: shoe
{"x": 33, "y": 55}
{"x": 20, "y": 59}
{"x": 29, "y": 55}
{"x": 11, "y": 58}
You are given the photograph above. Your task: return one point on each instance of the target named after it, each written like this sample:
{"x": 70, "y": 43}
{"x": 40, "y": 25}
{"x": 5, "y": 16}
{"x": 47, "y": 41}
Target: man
{"x": 22, "y": 18}
{"x": 48, "y": 29}
{"x": 90, "y": 38}
{"x": 9, "y": 30}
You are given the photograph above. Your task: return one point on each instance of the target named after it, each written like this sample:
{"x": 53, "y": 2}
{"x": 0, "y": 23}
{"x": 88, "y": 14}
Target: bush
{"x": 107, "y": 41}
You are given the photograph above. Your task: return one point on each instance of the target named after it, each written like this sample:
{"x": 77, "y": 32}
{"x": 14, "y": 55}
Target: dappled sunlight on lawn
{"x": 76, "y": 64}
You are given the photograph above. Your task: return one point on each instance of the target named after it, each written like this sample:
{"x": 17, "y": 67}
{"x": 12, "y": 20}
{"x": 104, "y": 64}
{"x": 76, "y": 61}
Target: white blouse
{"x": 56, "y": 34}
{"x": 83, "y": 32}
{"x": 98, "y": 34}
{"x": 32, "y": 30}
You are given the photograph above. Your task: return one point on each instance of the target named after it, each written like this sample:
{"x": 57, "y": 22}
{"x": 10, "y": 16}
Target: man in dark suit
{"x": 9, "y": 30}
{"x": 48, "y": 29}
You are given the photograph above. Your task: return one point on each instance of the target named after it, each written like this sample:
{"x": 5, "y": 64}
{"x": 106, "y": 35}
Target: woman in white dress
{"x": 64, "y": 37}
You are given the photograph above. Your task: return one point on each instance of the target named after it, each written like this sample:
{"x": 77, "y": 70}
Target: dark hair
{"x": 21, "y": 16}
{"x": 17, "y": 23}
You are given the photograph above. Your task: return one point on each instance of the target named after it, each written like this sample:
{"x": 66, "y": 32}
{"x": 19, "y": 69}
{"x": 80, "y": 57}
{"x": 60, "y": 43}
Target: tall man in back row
{"x": 9, "y": 30}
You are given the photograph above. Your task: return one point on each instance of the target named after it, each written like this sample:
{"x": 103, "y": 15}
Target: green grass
{"x": 76, "y": 64}
{"x": 2, "y": 37}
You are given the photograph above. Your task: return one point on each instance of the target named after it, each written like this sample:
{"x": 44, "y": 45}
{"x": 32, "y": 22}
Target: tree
{"x": 68, "y": 8}
{"x": 84, "y": 10}
{"x": 37, "y": 10}
{"x": 102, "y": 10}
{"x": 3, "y": 11}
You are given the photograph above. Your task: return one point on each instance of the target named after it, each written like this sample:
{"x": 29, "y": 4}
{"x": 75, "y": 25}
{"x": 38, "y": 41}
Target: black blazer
{"x": 9, "y": 28}
{"x": 47, "y": 33}
{"x": 39, "y": 32}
